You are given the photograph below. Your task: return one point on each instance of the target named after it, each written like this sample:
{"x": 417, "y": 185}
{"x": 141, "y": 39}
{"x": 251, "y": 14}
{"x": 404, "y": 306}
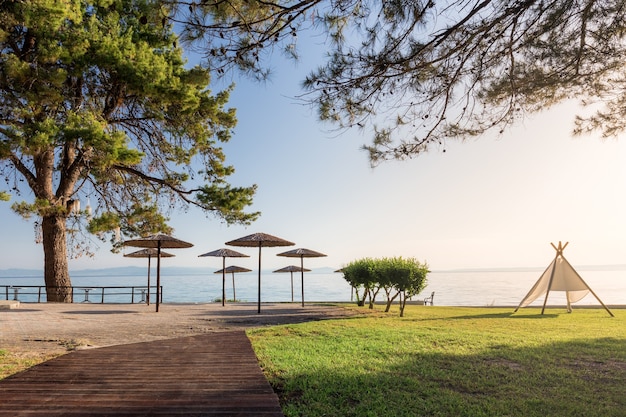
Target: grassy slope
{"x": 450, "y": 361}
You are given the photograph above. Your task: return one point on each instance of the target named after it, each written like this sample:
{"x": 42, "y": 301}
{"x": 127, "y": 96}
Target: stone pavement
{"x": 55, "y": 328}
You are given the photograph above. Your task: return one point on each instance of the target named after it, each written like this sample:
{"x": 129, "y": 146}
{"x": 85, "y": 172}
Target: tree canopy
{"x": 416, "y": 73}
{"x": 397, "y": 277}
{"x": 96, "y": 102}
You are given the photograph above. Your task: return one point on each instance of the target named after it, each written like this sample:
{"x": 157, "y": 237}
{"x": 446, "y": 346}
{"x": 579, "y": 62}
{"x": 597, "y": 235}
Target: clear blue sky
{"x": 490, "y": 202}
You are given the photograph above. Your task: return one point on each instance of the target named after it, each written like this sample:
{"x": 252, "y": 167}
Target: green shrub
{"x": 397, "y": 277}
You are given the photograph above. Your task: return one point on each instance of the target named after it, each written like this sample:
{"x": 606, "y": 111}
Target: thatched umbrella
{"x": 158, "y": 241}
{"x": 225, "y": 253}
{"x": 291, "y": 269}
{"x": 232, "y": 269}
{"x": 302, "y": 253}
{"x": 259, "y": 240}
{"x": 148, "y": 253}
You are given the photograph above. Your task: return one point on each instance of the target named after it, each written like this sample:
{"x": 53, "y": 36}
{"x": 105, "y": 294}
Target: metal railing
{"x": 119, "y": 295}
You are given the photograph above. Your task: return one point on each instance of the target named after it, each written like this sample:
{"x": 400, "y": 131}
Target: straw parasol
{"x": 232, "y": 269}
{"x": 225, "y": 253}
{"x": 148, "y": 253}
{"x": 158, "y": 241}
{"x": 292, "y": 269}
{"x": 302, "y": 253}
{"x": 259, "y": 240}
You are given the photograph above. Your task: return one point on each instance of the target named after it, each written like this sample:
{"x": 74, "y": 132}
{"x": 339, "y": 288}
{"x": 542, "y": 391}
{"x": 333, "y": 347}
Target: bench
{"x": 429, "y": 300}
{"x": 9, "y": 304}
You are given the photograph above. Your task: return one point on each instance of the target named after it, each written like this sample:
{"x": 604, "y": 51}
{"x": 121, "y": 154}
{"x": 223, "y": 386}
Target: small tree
{"x": 398, "y": 277}
{"x": 391, "y": 273}
{"x": 412, "y": 281}
{"x": 361, "y": 274}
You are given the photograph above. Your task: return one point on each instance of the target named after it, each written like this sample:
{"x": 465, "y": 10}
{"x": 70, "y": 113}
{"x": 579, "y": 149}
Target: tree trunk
{"x": 390, "y": 300}
{"x": 360, "y": 301}
{"x": 56, "y": 272}
{"x": 373, "y": 295}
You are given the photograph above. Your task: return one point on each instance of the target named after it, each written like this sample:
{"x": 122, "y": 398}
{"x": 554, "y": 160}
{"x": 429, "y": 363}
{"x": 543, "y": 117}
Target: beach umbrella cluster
{"x": 158, "y": 242}
{"x": 155, "y": 243}
{"x": 225, "y": 253}
{"x": 302, "y": 253}
{"x": 232, "y": 269}
{"x": 259, "y": 240}
{"x": 148, "y": 253}
{"x": 291, "y": 269}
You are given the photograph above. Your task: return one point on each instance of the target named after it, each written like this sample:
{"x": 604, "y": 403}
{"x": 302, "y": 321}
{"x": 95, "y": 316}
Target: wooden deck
{"x": 210, "y": 375}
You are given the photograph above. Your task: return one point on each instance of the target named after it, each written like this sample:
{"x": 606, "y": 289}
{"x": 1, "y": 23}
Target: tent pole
{"x": 531, "y": 290}
{"x": 600, "y": 301}
{"x": 589, "y": 288}
{"x": 545, "y": 301}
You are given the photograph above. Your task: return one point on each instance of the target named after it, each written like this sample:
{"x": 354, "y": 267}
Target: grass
{"x": 443, "y": 361}
{"x": 12, "y": 362}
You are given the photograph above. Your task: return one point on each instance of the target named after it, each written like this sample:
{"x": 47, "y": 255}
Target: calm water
{"x": 502, "y": 288}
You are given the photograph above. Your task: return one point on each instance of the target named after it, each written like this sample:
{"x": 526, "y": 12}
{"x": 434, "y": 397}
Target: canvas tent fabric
{"x": 559, "y": 276}
{"x": 564, "y": 278}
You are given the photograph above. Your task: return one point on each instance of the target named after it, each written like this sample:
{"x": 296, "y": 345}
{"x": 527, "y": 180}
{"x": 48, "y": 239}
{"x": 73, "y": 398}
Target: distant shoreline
{"x": 170, "y": 271}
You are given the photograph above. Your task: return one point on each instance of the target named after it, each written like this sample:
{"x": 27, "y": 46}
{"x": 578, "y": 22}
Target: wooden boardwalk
{"x": 216, "y": 374}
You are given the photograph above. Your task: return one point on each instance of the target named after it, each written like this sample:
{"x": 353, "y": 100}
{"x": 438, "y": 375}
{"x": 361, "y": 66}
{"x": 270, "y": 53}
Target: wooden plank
{"x": 215, "y": 374}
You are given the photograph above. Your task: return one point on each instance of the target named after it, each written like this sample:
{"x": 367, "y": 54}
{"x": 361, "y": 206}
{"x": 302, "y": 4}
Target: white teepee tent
{"x": 560, "y": 276}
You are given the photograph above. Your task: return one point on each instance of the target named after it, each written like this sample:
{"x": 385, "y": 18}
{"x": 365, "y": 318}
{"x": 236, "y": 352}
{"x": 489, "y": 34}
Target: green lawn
{"x": 11, "y": 362}
{"x": 450, "y": 361}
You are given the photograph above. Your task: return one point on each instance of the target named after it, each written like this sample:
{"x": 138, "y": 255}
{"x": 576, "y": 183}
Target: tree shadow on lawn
{"x": 489, "y": 316}
{"x": 573, "y": 378}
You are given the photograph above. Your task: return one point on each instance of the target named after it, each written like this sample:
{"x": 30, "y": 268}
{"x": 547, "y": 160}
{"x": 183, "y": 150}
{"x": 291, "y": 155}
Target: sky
{"x": 491, "y": 202}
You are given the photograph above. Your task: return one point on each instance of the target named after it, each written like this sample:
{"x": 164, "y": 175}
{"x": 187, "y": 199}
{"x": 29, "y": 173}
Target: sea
{"x": 489, "y": 287}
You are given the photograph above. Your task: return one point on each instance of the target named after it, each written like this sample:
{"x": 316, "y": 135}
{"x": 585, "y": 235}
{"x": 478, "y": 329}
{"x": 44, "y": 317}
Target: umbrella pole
{"x": 302, "y": 272}
{"x": 259, "y": 294}
{"x": 291, "y": 272}
{"x": 223, "y": 281}
{"x": 158, "y": 288}
{"x": 148, "y": 279}
{"x": 234, "y": 294}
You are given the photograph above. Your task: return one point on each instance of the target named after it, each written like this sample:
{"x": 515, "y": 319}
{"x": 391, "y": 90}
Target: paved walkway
{"x": 210, "y": 375}
{"x": 53, "y": 328}
{"x": 185, "y": 360}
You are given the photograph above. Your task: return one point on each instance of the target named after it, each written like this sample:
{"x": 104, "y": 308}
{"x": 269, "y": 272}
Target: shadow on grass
{"x": 561, "y": 379}
{"x": 486, "y": 316}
